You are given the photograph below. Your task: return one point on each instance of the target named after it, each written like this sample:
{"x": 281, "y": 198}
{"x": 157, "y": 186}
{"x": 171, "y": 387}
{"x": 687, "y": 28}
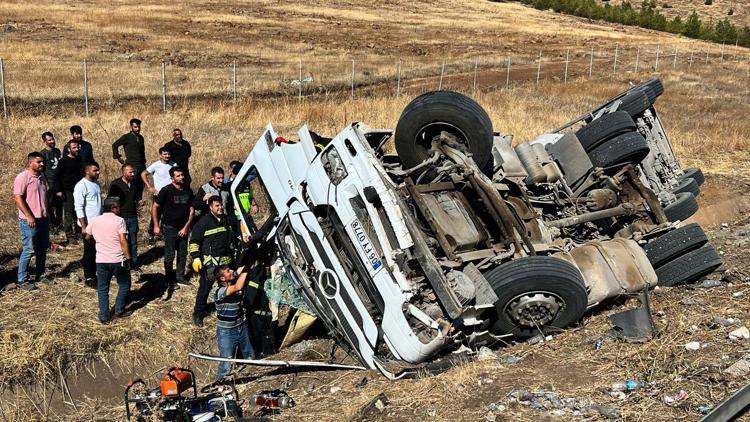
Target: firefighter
{"x": 210, "y": 246}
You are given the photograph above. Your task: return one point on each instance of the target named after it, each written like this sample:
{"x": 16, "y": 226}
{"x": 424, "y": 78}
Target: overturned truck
{"x": 462, "y": 238}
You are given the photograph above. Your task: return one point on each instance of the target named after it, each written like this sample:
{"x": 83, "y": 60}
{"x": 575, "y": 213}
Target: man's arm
{"x": 125, "y": 246}
{"x": 238, "y": 285}
{"x": 91, "y": 151}
{"x": 198, "y": 200}
{"x": 186, "y": 228}
{"x": 196, "y": 240}
{"x": 146, "y": 182}
{"x": 79, "y": 203}
{"x": 24, "y": 207}
{"x": 158, "y": 201}
{"x": 59, "y": 178}
{"x": 116, "y": 149}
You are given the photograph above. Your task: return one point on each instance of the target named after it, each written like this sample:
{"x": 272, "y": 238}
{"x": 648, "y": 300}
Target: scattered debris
{"x": 740, "y": 333}
{"x": 703, "y": 409}
{"x": 485, "y": 353}
{"x": 598, "y": 344}
{"x": 605, "y": 411}
{"x": 707, "y": 284}
{"x": 375, "y": 406}
{"x": 671, "y": 400}
{"x": 361, "y": 383}
{"x": 628, "y": 385}
{"x": 723, "y": 322}
{"x": 509, "y": 360}
{"x": 724, "y": 225}
{"x": 737, "y": 294}
{"x": 740, "y": 368}
{"x": 335, "y": 389}
{"x": 693, "y": 345}
{"x": 536, "y": 339}
{"x": 273, "y": 399}
{"x": 634, "y": 325}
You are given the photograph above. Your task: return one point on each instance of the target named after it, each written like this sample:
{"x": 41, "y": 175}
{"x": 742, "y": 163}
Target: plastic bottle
{"x": 271, "y": 400}
{"x": 627, "y": 386}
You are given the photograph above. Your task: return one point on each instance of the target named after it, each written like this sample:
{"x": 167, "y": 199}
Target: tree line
{"x": 648, "y": 17}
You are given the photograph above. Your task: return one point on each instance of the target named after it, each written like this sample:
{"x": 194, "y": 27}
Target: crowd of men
{"x": 59, "y": 192}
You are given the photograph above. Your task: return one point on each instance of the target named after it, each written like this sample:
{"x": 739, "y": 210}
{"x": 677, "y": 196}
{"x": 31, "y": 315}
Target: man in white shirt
{"x": 87, "y": 201}
{"x": 160, "y": 172}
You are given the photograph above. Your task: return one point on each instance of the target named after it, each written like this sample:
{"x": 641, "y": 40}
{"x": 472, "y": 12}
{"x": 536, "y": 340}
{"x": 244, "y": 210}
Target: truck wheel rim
{"x": 534, "y": 308}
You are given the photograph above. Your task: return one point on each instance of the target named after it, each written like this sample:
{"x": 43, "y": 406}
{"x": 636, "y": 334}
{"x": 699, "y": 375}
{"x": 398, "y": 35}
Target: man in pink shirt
{"x": 30, "y": 196}
{"x": 112, "y": 258}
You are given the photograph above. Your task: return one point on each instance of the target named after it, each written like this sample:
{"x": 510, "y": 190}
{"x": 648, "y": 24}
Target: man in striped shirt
{"x": 231, "y": 325}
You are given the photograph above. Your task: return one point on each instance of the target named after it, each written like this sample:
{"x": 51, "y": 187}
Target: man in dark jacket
{"x": 214, "y": 187}
{"x": 129, "y": 194}
{"x": 172, "y": 215}
{"x": 134, "y": 148}
{"x": 210, "y": 246}
{"x": 52, "y": 157}
{"x": 86, "y": 150}
{"x": 180, "y": 152}
{"x": 69, "y": 172}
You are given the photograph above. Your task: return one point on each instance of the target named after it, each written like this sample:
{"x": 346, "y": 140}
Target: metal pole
{"x": 474, "y": 88}
{"x": 507, "y": 75}
{"x": 722, "y": 51}
{"x": 706, "y": 55}
{"x": 234, "y": 81}
{"x": 2, "y": 85}
{"x": 591, "y": 62}
{"x": 352, "y": 79}
{"x": 614, "y": 65}
{"x": 299, "y": 87}
{"x": 442, "y": 71}
{"x": 86, "y": 87}
{"x": 674, "y": 62}
{"x": 567, "y": 60}
{"x": 656, "y": 65}
{"x": 637, "y": 57}
{"x": 398, "y": 80}
{"x": 691, "y": 60}
{"x": 164, "y": 86}
{"x": 538, "y": 68}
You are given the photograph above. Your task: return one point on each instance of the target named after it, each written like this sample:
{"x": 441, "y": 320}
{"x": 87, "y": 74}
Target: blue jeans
{"x": 131, "y": 224}
{"x": 229, "y": 339}
{"x": 104, "y": 273}
{"x": 35, "y": 242}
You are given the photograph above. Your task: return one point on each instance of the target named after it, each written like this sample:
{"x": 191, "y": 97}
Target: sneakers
{"x": 90, "y": 282}
{"x": 44, "y": 279}
{"x": 198, "y": 320}
{"x": 28, "y": 286}
{"x": 124, "y": 314}
{"x": 184, "y": 282}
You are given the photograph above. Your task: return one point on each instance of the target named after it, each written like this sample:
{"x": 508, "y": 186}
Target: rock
{"x": 740, "y": 368}
{"x": 692, "y": 301}
{"x": 722, "y": 322}
{"x": 509, "y": 360}
{"x": 693, "y": 345}
{"x": 707, "y": 284}
{"x": 737, "y": 294}
{"x": 740, "y": 333}
{"x": 485, "y": 354}
{"x": 605, "y": 411}
{"x": 335, "y": 390}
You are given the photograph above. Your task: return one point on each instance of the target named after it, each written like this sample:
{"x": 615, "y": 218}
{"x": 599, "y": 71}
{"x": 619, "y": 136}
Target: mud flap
{"x": 634, "y": 325}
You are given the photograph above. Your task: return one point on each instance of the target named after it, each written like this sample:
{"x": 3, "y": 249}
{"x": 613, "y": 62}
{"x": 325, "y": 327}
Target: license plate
{"x": 367, "y": 252}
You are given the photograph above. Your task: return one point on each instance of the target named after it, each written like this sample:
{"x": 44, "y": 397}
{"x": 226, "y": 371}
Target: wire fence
{"x": 54, "y": 86}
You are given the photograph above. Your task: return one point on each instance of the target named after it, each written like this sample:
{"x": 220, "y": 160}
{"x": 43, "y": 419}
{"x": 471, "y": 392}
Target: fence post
{"x": 352, "y": 79}
{"x": 398, "y": 79}
{"x": 538, "y": 68}
{"x": 507, "y": 75}
{"x": 614, "y": 65}
{"x": 474, "y": 88}
{"x": 2, "y": 85}
{"x": 656, "y": 65}
{"x": 86, "y": 87}
{"x": 591, "y": 62}
{"x": 674, "y": 62}
{"x": 706, "y": 55}
{"x": 722, "y": 51}
{"x": 234, "y": 81}
{"x": 442, "y": 72}
{"x": 691, "y": 60}
{"x": 637, "y": 57}
{"x": 164, "y": 86}
{"x": 299, "y": 87}
{"x": 567, "y": 60}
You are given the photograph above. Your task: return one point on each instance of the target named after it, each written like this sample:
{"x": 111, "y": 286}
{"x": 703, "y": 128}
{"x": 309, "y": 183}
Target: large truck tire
{"x": 689, "y": 267}
{"x": 683, "y": 208}
{"x": 536, "y": 294}
{"x": 675, "y": 243}
{"x": 429, "y": 114}
{"x": 630, "y": 147}
{"x": 694, "y": 173}
{"x": 605, "y": 128}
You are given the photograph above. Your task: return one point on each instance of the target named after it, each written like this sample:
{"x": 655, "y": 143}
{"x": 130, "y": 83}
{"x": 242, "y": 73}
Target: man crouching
{"x": 231, "y": 325}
